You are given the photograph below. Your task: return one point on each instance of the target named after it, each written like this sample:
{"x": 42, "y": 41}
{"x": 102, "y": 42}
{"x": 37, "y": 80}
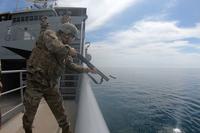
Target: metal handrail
{"x": 13, "y": 71}
{"x": 13, "y": 90}
{"x": 9, "y": 111}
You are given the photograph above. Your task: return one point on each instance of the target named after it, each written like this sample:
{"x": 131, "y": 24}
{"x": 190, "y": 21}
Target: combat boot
{"x": 66, "y": 129}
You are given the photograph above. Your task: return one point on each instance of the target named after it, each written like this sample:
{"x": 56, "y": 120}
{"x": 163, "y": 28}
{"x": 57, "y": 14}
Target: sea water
{"x": 154, "y": 100}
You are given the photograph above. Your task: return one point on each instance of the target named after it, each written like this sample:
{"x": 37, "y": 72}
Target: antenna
{"x": 42, "y": 3}
{"x": 17, "y": 2}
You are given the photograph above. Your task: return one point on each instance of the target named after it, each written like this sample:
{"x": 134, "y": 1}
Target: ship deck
{"x": 44, "y": 121}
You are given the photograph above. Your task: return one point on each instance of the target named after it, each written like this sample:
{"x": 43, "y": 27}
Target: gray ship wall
{"x": 22, "y": 31}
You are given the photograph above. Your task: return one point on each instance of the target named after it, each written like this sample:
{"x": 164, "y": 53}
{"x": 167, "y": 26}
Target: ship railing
{"x": 89, "y": 116}
{"x": 8, "y": 114}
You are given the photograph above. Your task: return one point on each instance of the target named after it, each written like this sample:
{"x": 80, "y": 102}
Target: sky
{"x": 139, "y": 33}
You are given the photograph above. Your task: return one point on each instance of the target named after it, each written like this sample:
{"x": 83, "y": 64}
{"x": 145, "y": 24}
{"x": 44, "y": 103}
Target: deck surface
{"x": 44, "y": 121}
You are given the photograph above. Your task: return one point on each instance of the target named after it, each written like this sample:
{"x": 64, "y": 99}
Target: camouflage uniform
{"x": 45, "y": 66}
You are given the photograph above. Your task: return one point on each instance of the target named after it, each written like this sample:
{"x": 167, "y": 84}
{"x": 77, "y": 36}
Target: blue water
{"x": 151, "y": 100}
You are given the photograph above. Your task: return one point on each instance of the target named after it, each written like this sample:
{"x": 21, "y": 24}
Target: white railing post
{"x": 21, "y": 84}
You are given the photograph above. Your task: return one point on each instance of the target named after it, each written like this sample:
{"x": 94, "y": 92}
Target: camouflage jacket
{"x": 48, "y": 59}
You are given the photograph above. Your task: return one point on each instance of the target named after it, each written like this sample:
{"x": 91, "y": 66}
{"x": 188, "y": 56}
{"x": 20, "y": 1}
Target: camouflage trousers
{"x": 33, "y": 94}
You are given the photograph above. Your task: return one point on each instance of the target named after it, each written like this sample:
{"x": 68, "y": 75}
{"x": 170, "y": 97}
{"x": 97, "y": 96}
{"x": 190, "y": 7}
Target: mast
{"x": 43, "y": 3}
{"x": 17, "y": 2}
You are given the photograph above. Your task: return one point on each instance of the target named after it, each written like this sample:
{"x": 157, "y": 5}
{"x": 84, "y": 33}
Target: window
{"x": 14, "y": 20}
{"x": 61, "y": 13}
{"x": 31, "y": 18}
{"x": 18, "y": 19}
{"x": 26, "y": 18}
{"x": 22, "y": 19}
{"x": 36, "y": 18}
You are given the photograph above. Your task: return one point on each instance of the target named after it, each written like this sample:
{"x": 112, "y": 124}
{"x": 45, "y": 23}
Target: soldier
{"x": 44, "y": 68}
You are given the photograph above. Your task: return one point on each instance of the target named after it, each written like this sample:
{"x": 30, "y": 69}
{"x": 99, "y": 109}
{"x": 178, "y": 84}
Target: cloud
{"x": 149, "y": 44}
{"x": 168, "y": 6}
{"x": 99, "y": 11}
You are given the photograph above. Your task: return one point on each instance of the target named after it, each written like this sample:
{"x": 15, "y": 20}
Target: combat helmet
{"x": 69, "y": 28}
